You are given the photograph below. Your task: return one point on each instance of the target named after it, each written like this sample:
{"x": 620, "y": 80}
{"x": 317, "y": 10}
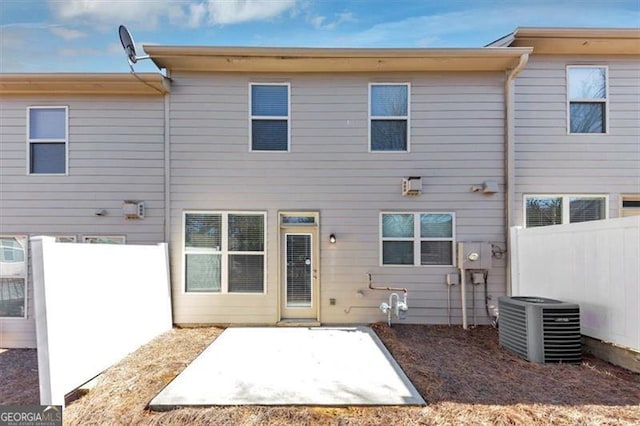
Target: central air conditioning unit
{"x": 540, "y": 329}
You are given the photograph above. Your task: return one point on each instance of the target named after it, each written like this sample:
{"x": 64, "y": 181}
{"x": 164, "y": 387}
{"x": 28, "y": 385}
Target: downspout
{"x": 167, "y": 165}
{"x": 509, "y": 157}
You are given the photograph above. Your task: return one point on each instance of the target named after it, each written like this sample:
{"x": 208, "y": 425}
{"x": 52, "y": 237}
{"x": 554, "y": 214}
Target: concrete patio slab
{"x": 291, "y": 366}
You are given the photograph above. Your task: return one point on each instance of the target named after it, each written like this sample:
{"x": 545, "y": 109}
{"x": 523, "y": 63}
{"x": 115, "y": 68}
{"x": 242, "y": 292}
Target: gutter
{"x": 509, "y": 157}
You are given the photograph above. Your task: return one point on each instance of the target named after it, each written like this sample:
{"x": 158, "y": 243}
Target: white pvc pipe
{"x": 463, "y": 293}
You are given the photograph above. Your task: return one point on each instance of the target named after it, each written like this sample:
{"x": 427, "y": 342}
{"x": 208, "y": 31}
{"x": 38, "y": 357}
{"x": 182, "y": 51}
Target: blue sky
{"x": 81, "y": 35}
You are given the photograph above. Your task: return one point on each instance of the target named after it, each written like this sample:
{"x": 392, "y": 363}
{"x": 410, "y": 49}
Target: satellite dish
{"x": 129, "y": 46}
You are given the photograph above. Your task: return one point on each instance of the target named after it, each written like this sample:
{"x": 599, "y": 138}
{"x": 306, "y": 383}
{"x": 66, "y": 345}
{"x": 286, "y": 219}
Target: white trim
{"x": 223, "y": 252}
{"x": 406, "y": 118}
{"x": 65, "y": 140}
{"x": 565, "y": 202}
{"x": 417, "y": 238}
{"x": 24, "y": 276}
{"x": 270, "y": 117}
{"x": 588, "y": 100}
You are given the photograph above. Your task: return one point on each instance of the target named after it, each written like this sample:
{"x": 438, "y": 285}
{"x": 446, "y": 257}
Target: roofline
{"x": 84, "y": 84}
{"x": 296, "y": 59}
{"x": 574, "y": 41}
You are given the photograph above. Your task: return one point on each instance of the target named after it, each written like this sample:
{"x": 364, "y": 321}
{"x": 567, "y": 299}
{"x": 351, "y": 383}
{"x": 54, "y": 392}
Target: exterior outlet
{"x": 411, "y": 186}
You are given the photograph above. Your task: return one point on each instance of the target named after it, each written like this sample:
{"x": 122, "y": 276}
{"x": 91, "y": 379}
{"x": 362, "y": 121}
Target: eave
{"x": 84, "y": 84}
{"x": 308, "y": 60}
{"x": 579, "y": 41}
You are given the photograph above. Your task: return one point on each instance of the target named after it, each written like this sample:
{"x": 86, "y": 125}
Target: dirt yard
{"x": 463, "y": 375}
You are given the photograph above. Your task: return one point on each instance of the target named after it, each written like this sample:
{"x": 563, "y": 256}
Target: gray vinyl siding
{"x": 457, "y": 137}
{"x": 116, "y": 153}
{"x": 548, "y": 160}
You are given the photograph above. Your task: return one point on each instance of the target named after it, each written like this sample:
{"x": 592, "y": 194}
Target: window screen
{"x": 269, "y": 117}
{"x": 389, "y": 117}
{"x": 587, "y": 87}
{"x": 47, "y": 138}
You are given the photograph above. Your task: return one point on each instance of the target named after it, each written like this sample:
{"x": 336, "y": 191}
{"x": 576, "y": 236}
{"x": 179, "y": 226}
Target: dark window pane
{"x": 436, "y": 226}
{"x": 388, "y": 135}
{"x": 269, "y": 135}
{"x": 587, "y": 117}
{"x": 299, "y": 220}
{"x": 269, "y": 100}
{"x": 436, "y": 253}
{"x": 586, "y": 209}
{"x": 246, "y": 233}
{"x": 203, "y": 272}
{"x": 246, "y": 273}
{"x": 203, "y": 231}
{"x": 12, "y": 300}
{"x": 389, "y": 100}
{"x": 48, "y": 158}
{"x": 397, "y": 252}
{"x": 397, "y": 225}
{"x": 47, "y": 123}
{"x": 543, "y": 212}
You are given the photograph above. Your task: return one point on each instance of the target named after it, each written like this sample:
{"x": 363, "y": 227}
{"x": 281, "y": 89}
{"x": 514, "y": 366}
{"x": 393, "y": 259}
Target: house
{"x": 73, "y": 148}
{"x": 282, "y": 177}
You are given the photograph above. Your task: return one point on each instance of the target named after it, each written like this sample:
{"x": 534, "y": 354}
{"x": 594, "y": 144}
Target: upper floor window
{"x": 270, "y": 114}
{"x": 587, "y": 99}
{"x": 544, "y": 210}
{"x": 389, "y": 117}
{"x": 47, "y": 138}
{"x": 417, "y": 238}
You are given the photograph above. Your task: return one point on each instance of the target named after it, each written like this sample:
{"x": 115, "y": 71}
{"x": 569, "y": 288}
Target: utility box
{"x": 412, "y": 186}
{"x": 133, "y": 209}
{"x": 474, "y": 255}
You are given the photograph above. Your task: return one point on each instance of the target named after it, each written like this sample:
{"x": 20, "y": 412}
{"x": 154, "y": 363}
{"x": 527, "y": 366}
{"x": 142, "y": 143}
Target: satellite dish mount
{"x": 129, "y": 47}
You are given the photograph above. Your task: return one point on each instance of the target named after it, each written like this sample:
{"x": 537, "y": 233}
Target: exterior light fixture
{"x": 332, "y": 238}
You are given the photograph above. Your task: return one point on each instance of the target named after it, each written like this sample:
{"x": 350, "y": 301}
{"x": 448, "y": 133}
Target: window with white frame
{"x": 417, "y": 239}
{"x": 13, "y": 276}
{"x": 269, "y": 116}
{"x": 587, "y": 99}
{"x": 224, "y": 252}
{"x": 47, "y": 139}
{"x": 389, "y": 117}
{"x": 545, "y": 210}
{"x": 104, "y": 239}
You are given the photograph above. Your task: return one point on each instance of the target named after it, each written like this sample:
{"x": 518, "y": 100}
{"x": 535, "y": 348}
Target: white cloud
{"x": 320, "y": 22}
{"x": 67, "y": 33}
{"x": 149, "y": 13}
{"x": 236, "y": 11}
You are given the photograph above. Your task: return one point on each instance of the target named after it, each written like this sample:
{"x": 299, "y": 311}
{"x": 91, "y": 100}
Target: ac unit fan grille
{"x": 561, "y": 335}
{"x": 513, "y": 329}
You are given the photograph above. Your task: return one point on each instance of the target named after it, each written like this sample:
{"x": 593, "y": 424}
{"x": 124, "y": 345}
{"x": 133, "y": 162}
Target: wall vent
{"x": 540, "y": 329}
{"x": 411, "y": 186}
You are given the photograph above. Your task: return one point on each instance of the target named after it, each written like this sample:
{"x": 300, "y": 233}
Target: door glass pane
{"x": 436, "y": 226}
{"x": 270, "y": 100}
{"x": 246, "y": 233}
{"x": 544, "y": 211}
{"x": 389, "y": 100}
{"x": 47, "y": 123}
{"x": 12, "y": 297}
{"x": 203, "y": 231}
{"x": 587, "y": 117}
{"x": 203, "y": 272}
{"x": 246, "y": 273}
{"x": 436, "y": 253}
{"x": 388, "y": 135}
{"x": 299, "y": 270}
{"x": 397, "y": 225}
{"x": 397, "y": 252}
{"x": 587, "y": 83}
{"x": 48, "y": 158}
{"x": 585, "y": 209}
{"x": 269, "y": 135}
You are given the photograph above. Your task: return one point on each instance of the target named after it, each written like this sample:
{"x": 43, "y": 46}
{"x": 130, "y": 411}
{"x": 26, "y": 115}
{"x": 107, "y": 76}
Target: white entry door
{"x": 300, "y": 275}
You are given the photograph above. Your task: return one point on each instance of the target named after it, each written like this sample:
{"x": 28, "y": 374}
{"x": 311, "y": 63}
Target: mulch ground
{"x": 463, "y": 375}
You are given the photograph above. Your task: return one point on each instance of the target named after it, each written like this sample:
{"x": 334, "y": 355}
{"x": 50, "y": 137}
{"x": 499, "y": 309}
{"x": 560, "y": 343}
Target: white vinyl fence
{"x": 595, "y": 264}
{"x": 94, "y": 304}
